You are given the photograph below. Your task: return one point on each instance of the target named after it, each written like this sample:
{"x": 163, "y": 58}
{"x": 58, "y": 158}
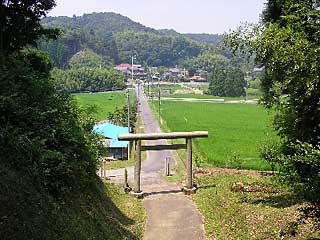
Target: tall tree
{"x": 42, "y": 133}
{"x": 273, "y": 11}
{"x": 288, "y": 46}
{"x": 227, "y": 82}
{"x": 20, "y": 23}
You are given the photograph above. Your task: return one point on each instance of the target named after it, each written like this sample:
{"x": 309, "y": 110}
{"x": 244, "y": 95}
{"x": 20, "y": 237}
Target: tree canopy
{"x": 287, "y": 45}
{"x": 20, "y": 23}
{"x": 207, "y": 61}
{"x": 43, "y": 133}
{"x": 89, "y": 59}
{"x": 88, "y": 79}
{"x": 227, "y": 81}
{"x": 117, "y": 37}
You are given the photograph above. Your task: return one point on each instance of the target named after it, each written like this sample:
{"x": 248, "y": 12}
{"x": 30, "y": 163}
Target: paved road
{"x": 156, "y": 159}
{"x": 170, "y": 214}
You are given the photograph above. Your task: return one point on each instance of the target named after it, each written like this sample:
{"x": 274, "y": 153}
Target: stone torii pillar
{"x": 189, "y": 188}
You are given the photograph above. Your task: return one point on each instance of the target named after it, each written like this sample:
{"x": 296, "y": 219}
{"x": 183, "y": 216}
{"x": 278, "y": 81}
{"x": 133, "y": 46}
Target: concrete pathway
{"x": 170, "y": 214}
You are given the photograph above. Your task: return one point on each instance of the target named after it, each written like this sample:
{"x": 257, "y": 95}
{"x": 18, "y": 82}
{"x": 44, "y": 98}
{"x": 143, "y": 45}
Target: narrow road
{"x": 156, "y": 159}
{"x": 170, "y": 214}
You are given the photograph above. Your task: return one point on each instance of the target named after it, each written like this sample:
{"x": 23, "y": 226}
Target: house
{"x": 123, "y": 67}
{"x": 116, "y": 149}
{"x": 174, "y": 71}
{"x": 126, "y": 68}
{"x": 197, "y": 79}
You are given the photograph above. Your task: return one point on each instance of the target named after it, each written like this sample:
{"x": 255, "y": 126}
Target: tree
{"x": 208, "y": 62}
{"x": 120, "y": 116}
{"x": 42, "y": 133}
{"x": 273, "y": 11}
{"x": 89, "y": 59}
{"x": 227, "y": 82}
{"x": 20, "y": 23}
{"x": 295, "y": 72}
{"x": 88, "y": 79}
{"x": 288, "y": 46}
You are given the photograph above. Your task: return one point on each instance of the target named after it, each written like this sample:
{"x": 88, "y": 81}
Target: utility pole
{"x": 148, "y": 86}
{"x": 129, "y": 104}
{"x": 152, "y": 87}
{"x": 129, "y": 113}
{"x": 132, "y": 58}
{"x": 159, "y": 100}
{"x": 247, "y": 77}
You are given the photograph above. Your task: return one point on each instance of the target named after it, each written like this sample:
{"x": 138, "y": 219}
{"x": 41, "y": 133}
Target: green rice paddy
{"x": 235, "y": 131}
{"x": 103, "y": 103}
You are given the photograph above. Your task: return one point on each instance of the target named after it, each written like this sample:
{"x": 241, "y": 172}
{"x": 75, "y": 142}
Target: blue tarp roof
{"x": 112, "y": 131}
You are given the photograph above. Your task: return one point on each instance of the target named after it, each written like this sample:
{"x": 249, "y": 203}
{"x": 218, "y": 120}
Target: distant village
{"x": 163, "y": 74}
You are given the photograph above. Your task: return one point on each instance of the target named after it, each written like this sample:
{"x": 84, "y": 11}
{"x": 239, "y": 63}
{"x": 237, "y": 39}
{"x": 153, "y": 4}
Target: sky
{"x": 184, "y": 16}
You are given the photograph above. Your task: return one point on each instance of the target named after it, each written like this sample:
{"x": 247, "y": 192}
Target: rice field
{"x": 103, "y": 103}
{"x": 235, "y": 131}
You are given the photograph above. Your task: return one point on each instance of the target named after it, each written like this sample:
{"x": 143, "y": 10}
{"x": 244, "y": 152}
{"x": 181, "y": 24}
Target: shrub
{"x": 270, "y": 151}
{"x": 304, "y": 158}
{"x": 43, "y": 133}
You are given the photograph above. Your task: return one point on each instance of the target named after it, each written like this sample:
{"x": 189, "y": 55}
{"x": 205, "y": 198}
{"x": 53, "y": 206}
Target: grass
{"x": 100, "y": 211}
{"x": 132, "y": 208}
{"x": 269, "y": 211}
{"x": 102, "y": 102}
{"x": 252, "y": 94}
{"x": 235, "y": 132}
{"x": 200, "y": 87}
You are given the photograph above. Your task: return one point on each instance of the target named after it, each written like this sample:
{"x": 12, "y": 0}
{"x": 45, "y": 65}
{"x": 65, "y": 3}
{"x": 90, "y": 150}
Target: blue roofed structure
{"x": 111, "y": 132}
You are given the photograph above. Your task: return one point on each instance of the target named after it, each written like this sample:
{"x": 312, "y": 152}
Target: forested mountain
{"x": 99, "y": 22}
{"x": 213, "y": 39}
{"x": 168, "y": 32}
{"x": 116, "y": 37}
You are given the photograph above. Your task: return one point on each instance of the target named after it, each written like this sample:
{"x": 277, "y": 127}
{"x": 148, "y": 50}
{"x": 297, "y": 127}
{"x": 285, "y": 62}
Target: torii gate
{"x": 189, "y": 188}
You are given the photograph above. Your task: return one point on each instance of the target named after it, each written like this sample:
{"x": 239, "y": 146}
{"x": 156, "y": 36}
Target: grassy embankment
{"x": 262, "y": 209}
{"x": 101, "y": 211}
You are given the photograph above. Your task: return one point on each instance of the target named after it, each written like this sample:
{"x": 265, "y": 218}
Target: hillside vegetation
{"x": 49, "y": 156}
{"x": 100, "y": 211}
{"x": 118, "y": 37}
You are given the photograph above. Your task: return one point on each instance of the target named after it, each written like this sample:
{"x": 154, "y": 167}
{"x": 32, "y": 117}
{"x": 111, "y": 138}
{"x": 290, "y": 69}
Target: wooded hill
{"x": 117, "y": 37}
{"x": 213, "y": 39}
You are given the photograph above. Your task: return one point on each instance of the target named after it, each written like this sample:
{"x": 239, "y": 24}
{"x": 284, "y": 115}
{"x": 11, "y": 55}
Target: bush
{"x": 270, "y": 151}
{"x": 43, "y": 133}
{"x": 120, "y": 116}
{"x": 88, "y": 79}
{"x": 304, "y": 158}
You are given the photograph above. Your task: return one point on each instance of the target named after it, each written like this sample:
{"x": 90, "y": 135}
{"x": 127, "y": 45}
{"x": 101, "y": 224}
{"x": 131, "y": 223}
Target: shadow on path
{"x": 162, "y": 192}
